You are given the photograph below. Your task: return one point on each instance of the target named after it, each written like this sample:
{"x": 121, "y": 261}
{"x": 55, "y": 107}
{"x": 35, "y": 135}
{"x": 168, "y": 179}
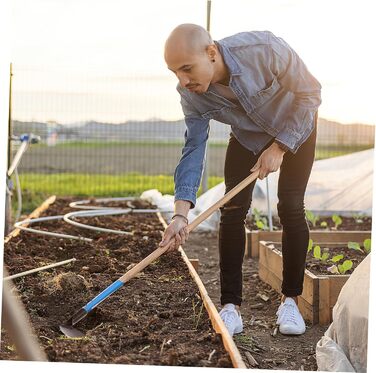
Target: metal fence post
{"x": 10, "y": 132}
{"x": 205, "y": 175}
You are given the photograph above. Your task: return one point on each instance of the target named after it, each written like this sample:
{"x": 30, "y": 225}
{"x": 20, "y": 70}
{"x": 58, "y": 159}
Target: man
{"x": 255, "y": 82}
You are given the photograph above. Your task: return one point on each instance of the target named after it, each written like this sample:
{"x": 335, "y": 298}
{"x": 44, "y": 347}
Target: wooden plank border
{"x": 320, "y": 292}
{"x": 35, "y": 214}
{"x": 216, "y": 320}
{"x": 255, "y": 237}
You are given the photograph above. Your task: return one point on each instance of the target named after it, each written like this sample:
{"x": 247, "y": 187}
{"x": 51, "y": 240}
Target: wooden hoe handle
{"x": 158, "y": 252}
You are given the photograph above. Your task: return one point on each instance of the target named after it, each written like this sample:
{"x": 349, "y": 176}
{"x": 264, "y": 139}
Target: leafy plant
{"x": 262, "y": 224}
{"x": 324, "y": 224}
{"x": 354, "y": 246}
{"x": 336, "y": 258}
{"x": 345, "y": 266}
{"x": 256, "y": 214}
{"x": 310, "y": 245}
{"x": 367, "y": 245}
{"x": 336, "y": 220}
{"x": 320, "y": 256}
{"x": 340, "y": 268}
{"x": 260, "y": 221}
{"x": 312, "y": 217}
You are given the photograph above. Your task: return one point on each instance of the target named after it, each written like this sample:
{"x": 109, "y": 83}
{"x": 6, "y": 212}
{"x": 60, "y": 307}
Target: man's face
{"x": 194, "y": 71}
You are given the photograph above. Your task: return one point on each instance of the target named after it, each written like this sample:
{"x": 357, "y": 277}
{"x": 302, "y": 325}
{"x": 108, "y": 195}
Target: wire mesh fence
{"x": 114, "y": 135}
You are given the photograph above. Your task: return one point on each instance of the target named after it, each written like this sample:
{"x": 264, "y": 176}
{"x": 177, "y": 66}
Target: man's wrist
{"x": 180, "y": 216}
{"x": 281, "y": 146}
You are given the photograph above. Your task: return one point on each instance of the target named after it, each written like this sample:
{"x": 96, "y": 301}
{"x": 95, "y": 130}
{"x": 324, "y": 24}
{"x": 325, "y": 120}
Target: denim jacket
{"x": 274, "y": 88}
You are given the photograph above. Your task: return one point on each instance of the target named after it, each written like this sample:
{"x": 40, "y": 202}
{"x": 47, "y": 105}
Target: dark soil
{"x": 135, "y": 204}
{"x": 157, "y": 318}
{"x": 278, "y": 352}
{"x": 319, "y": 267}
{"x": 355, "y": 223}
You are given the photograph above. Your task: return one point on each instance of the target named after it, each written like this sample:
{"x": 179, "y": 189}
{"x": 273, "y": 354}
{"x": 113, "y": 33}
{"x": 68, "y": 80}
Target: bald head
{"x": 193, "y": 56}
{"x": 188, "y": 38}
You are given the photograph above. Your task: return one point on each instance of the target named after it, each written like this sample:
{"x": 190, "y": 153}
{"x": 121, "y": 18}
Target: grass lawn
{"x": 37, "y": 187}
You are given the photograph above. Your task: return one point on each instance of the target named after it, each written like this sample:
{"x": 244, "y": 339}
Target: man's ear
{"x": 211, "y": 50}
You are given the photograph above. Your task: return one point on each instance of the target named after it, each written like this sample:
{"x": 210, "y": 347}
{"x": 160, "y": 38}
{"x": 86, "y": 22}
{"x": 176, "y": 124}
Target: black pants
{"x": 294, "y": 174}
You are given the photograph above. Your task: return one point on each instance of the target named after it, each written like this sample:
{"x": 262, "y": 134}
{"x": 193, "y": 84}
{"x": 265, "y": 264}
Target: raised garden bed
{"x": 356, "y": 228}
{"x": 321, "y": 287}
{"x": 162, "y": 317}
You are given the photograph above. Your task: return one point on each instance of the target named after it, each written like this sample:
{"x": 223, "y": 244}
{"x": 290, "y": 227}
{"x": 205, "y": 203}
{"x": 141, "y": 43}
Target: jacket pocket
{"x": 263, "y": 96}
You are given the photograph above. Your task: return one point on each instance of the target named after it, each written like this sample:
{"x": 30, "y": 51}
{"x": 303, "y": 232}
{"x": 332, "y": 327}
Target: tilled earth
{"x": 271, "y": 350}
{"x": 156, "y": 319}
{"x": 172, "y": 331}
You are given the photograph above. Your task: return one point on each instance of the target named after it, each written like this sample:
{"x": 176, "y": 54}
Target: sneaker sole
{"x": 288, "y": 331}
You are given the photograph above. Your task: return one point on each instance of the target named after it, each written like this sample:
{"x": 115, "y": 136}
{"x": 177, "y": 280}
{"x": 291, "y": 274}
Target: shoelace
{"x": 228, "y": 316}
{"x": 288, "y": 315}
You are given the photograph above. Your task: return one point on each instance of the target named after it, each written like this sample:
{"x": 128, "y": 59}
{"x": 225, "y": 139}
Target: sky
{"x": 75, "y": 60}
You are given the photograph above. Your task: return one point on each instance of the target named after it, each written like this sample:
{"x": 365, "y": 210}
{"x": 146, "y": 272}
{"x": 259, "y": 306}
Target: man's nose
{"x": 183, "y": 79}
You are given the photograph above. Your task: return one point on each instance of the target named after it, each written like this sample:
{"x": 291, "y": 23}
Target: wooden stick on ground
{"x": 25, "y": 273}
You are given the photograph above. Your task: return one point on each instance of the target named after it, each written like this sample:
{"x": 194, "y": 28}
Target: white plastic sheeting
{"x": 166, "y": 202}
{"x": 343, "y": 348}
{"x": 340, "y": 184}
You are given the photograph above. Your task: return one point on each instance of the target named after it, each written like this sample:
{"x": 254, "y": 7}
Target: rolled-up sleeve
{"x": 188, "y": 172}
{"x": 293, "y": 75}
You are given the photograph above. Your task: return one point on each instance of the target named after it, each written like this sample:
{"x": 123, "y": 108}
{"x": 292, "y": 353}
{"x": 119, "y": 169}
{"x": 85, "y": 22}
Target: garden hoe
{"x": 68, "y": 328}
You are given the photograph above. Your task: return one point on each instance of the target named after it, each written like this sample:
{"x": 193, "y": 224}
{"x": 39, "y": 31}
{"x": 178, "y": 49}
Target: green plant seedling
{"x": 311, "y": 217}
{"x": 325, "y": 256}
{"x": 336, "y": 220}
{"x": 320, "y": 256}
{"x": 367, "y": 245}
{"x": 354, "y": 246}
{"x": 336, "y": 258}
{"x": 256, "y": 214}
{"x": 317, "y": 252}
{"x": 260, "y": 224}
{"x": 324, "y": 224}
{"x": 345, "y": 266}
{"x": 260, "y": 221}
{"x": 310, "y": 245}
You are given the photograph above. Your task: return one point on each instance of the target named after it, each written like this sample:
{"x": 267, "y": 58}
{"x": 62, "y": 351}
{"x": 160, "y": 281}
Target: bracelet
{"x": 182, "y": 216}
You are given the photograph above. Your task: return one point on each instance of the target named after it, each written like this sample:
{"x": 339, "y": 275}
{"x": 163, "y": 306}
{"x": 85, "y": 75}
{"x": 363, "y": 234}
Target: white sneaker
{"x": 290, "y": 320}
{"x": 232, "y": 319}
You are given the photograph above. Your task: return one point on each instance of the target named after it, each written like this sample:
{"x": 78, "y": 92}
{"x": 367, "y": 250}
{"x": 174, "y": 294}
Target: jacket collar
{"x": 229, "y": 59}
